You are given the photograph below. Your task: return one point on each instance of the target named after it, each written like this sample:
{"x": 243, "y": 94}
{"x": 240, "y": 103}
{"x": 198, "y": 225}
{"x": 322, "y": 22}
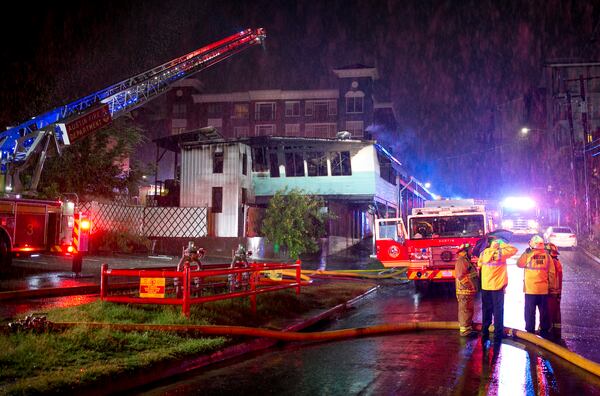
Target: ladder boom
{"x": 18, "y": 143}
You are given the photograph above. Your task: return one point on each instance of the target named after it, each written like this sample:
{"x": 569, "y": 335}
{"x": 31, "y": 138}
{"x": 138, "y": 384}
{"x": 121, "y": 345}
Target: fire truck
{"x": 429, "y": 245}
{"x": 36, "y": 225}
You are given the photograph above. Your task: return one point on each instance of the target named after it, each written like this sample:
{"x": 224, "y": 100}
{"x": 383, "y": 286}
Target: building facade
{"x": 264, "y": 141}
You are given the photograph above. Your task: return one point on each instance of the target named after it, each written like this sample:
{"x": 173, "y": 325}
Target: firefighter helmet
{"x": 536, "y": 242}
{"x": 552, "y": 249}
{"x": 464, "y": 247}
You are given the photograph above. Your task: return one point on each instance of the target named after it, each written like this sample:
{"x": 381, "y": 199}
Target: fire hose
{"x": 332, "y": 335}
{"x": 393, "y": 273}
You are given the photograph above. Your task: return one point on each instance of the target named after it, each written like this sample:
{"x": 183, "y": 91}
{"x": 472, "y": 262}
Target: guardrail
{"x": 154, "y": 284}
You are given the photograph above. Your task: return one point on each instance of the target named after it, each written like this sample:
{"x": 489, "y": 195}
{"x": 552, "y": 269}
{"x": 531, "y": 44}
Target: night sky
{"x": 444, "y": 64}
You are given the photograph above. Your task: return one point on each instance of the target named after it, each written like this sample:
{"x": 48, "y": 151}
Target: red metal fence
{"x": 154, "y": 284}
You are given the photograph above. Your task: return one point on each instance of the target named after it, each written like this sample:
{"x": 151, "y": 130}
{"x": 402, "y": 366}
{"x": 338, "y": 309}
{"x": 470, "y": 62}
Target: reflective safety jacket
{"x": 493, "y": 266}
{"x": 555, "y": 277}
{"x": 537, "y": 263}
{"x": 467, "y": 279}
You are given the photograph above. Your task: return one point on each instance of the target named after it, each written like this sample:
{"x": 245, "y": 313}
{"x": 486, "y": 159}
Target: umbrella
{"x": 485, "y": 240}
{"x": 501, "y": 234}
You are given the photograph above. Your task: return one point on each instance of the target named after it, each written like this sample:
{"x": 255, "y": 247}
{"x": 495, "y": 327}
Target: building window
{"x": 292, "y": 129}
{"x": 273, "y": 165}
{"x": 321, "y": 130}
{"x": 240, "y": 110}
{"x": 217, "y": 200}
{"x": 241, "y": 131}
{"x": 265, "y": 111}
{"x": 214, "y": 109}
{"x": 356, "y": 128}
{"x": 244, "y": 196}
{"x": 179, "y": 110}
{"x": 294, "y": 164}
{"x": 354, "y": 101}
{"x": 218, "y": 160}
{"x": 340, "y": 163}
{"x": 316, "y": 164}
{"x": 292, "y": 109}
{"x": 320, "y": 109}
{"x": 264, "y": 130}
{"x": 244, "y": 164}
{"x": 177, "y": 131}
{"x": 259, "y": 159}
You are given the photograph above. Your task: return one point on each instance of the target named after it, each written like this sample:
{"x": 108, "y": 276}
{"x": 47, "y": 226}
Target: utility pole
{"x": 586, "y": 140}
{"x": 573, "y": 172}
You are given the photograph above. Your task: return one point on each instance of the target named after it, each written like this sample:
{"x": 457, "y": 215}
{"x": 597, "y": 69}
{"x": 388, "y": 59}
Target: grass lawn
{"x": 60, "y": 362}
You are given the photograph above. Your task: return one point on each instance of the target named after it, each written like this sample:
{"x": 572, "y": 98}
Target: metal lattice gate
{"x": 151, "y": 222}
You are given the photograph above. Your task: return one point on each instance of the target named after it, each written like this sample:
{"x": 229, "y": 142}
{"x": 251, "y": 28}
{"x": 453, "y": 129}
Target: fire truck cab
{"x": 428, "y": 246}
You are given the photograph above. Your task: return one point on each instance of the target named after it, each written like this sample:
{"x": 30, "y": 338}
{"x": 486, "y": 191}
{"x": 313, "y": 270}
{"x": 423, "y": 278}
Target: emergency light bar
{"x": 523, "y": 203}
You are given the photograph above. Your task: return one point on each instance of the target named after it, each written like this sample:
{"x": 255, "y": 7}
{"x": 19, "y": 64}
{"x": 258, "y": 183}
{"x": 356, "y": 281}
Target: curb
{"x": 590, "y": 255}
{"x": 169, "y": 369}
{"x": 49, "y": 292}
{"x": 60, "y": 291}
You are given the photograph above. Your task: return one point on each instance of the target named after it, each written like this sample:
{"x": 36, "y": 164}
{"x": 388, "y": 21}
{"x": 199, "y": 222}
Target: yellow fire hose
{"x": 395, "y": 328}
{"x": 379, "y": 274}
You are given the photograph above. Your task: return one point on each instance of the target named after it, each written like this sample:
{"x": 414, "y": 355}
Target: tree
{"x": 94, "y": 165}
{"x": 295, "y": 220}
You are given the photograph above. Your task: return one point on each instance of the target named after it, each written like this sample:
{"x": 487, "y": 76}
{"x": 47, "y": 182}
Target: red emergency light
{"x": 85, "y": 225}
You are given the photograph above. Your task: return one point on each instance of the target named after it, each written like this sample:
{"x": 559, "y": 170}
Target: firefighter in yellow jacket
{"x": 466, "y": 277}
{"x": 554, "y": 290}
{"x": 494, "y": 279}
{"x": 536, "y": 262}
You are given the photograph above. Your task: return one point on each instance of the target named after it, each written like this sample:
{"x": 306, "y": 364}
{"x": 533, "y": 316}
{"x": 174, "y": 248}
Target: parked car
{"x": 561, "y": 236}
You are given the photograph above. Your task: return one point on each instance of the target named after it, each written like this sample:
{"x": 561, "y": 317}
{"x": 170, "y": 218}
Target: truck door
{"x": 390, "y": 235}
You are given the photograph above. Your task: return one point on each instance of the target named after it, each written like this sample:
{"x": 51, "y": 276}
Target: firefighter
{"x": 494, "y": 279}
{"x": 466, "y": 277}
{"x": 554, "y": 290}
{"x": 536, "y": 263}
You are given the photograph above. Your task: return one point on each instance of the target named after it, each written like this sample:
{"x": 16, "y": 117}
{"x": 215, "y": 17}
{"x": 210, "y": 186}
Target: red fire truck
{"x": 428, "y": 247}
{"x": 29, "y": 226}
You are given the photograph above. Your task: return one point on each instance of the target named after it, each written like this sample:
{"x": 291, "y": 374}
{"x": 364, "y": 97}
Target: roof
{"x": 202, "y": 135}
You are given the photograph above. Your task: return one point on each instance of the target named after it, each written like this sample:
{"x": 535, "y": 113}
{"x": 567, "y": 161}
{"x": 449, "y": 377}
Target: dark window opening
{"x": 244, "y": 164}
{"x": 217, "y": 200}
{"x": 340, "y": 164}
{"x": 273, "y": 165}
{"x": 294, "y": 164}
{"x": 386, "y": 170}
{"x": 214, "y": 109}
{"x": 316, "y": 164}
{"x": 218, "y": 159}
{"x": 259, "y": 160}
{"x": 244, "y": 196}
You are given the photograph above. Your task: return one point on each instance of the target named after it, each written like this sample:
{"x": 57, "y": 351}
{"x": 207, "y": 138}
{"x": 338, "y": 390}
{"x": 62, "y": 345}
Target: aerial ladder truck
{"x": 28, "y": 226}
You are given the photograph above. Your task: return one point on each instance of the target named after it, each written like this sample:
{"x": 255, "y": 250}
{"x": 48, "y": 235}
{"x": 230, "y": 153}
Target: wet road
{"x": 47, "y": 271}
{"x": 429, "y": 363}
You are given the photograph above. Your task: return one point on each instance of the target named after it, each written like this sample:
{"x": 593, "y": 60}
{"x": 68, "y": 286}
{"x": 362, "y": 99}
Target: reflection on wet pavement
{"x": 427, "y": 363}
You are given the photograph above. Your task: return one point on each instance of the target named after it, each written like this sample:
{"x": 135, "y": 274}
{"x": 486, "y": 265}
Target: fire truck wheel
{"x": 5, "y": 255}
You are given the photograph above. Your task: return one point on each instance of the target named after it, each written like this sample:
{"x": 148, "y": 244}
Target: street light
{"x": 525, "y": 131}
{"x": 427, "y": 185}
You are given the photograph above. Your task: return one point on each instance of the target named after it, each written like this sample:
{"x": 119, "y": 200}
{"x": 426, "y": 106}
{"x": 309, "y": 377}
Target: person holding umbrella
{"x": 494, "y": 279}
